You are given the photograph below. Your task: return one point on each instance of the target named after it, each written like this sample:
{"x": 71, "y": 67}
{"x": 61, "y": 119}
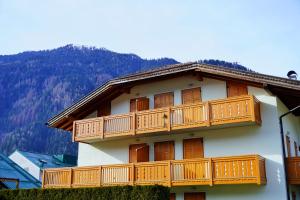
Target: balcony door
{"x": 193, "y": 148}
{"x": 164, "y": 151}
{"x": 194, "y": 196}
{"x": 139, "y": 104}
{"x": 236, "y": 89}
{"x": 192, "y": 95}
{"x": 164, "y": 100}
{"x": 139, "y": 153}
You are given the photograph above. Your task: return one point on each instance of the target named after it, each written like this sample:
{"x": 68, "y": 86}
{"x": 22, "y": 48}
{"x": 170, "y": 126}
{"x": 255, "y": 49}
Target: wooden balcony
{"x": 230, "y": 111}
{"x": 249, "y": 169}
{"x": 293, "y": 170}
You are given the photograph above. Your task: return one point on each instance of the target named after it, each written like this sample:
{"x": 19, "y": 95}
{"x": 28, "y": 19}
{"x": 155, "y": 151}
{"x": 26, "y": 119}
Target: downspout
{"x": 283, "y": 149}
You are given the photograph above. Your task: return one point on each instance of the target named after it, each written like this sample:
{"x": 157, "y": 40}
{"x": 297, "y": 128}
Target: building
{"x": 34, "y": 163}
{"x": 13, "y": 176}
{"x": 207, "y": 132}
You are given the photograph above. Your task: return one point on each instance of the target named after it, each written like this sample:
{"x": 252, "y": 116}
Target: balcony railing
{"x": 233, "y": 110}
{"x": 248, "y": 169}
{"x": 293, "y": 170}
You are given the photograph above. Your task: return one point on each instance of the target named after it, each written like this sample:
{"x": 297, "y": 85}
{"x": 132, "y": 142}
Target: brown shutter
{"x": 236, "y": 89}
{"x": 172, "y": 196}
{"x": 142, "y": 154}
{"x": 288, "y": 145}
{"x": 296, "y": 148}
{"x": 139, "y": 104}
{"x": 193, "y": 148}
{"x": 192, "y": 95}
{"x": 164, "y": 151}
{"x": 137, "y": 150}
{"x": 104, "y": 109}
{"x": 163, "y": 100}
{"x": 194, "y": 196}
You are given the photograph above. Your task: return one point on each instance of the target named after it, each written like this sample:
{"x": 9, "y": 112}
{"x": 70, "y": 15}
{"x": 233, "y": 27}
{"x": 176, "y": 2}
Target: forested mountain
{"x": 36, "y": 85}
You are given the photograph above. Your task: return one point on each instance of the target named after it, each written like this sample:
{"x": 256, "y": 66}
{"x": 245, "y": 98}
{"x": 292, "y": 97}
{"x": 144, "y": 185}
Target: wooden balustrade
{"x": 293, "y": 170}
{"x": 232, "y": 110}
{"x": 248, "y": 169}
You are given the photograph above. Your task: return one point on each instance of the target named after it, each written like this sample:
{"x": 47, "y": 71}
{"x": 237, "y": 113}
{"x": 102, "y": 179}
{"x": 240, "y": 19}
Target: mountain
{"x": 36, "y": 85}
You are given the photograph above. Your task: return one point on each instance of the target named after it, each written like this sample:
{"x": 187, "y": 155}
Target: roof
{"x": 48, "y": 161}
{"x": 272, "y": 82}
{"x": 10, "y": 170}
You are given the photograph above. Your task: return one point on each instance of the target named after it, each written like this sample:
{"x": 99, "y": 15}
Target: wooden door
{"x": 164, "y": 151}
{"x": 194, "y": 196}
{"x": 138, "y": 153}
{"x": 172, "y": 196}
{"x": 236, "y": 89}
{"x": 139, "y": 104}
{"x": 163, "y": 100}
{"x": 104, "y": 109}
{"x": 192, "y": 95}
{"x": 193, "y": 148}
{"x": 288, "y": 145}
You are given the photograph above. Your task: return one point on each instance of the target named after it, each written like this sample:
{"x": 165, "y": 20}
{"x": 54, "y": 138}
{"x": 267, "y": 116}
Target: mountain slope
{"x": 39, "y": 84}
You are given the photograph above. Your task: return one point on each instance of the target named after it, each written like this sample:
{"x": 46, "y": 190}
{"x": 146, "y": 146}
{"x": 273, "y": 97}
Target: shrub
{"x": 112, "y": 193}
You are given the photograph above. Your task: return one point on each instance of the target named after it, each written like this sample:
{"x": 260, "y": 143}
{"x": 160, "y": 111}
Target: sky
{"x": 263, "y": 35}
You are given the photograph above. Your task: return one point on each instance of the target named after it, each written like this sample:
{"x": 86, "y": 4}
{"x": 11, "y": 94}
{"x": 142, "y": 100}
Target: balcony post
{"x": 169, "y": 118}
{"x": 43, "y": 179}
{"x": 252, "y": 108}
{"x": 100, "y": 175}
{"x": 169, "y": 173}
{"x": 132, "y": 174}
{"x": 70, "y": 177}
{"x": 134, "y": 123}
{"x": 210, "y": 164}
{"x": 74, "y": 131}
{"x": 102, "y": 128}
{"x": 258, "y": 170}
{"x": 207, "y": 112}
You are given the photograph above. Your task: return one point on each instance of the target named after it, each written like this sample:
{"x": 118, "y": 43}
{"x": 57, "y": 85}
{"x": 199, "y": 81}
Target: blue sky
{"x": 261, "y": 34}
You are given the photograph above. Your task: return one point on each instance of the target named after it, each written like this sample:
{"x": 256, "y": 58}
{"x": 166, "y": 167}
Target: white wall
{"x": 263, "y": 140}
{"x": 121, "y": 104}
{"x": 26, "y": 164}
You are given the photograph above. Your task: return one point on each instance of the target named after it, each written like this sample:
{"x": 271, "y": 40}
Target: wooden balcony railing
{"x": 217, "y": 112}
{"x": 293, "y": 170}
{"x": 249, "y": 169}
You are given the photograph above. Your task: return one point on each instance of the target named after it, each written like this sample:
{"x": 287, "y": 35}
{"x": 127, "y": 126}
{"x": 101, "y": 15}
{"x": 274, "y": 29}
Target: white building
{"x": 35, "y": 163}
{"x": 207, "y": 132}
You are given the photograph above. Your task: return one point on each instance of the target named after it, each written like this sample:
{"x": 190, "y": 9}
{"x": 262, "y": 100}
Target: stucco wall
{"x": 263, "y": 140}
{"x": 26, "y": 164}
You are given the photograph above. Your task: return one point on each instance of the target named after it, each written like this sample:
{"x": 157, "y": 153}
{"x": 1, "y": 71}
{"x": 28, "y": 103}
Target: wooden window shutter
{"x": 236, "y": 89}
{"x": 172, "y": 196}
{"x": 193, "y": 148}
{"x": 194, "y": 196}
{"x": 104, "y": 109}
{"x": 192, "y": 95}
{"x": 164, "y": 151}
{"x": 138, "y": 153}
{"x": 139, "y": 104}
{"x": 163, "y": 100}
{"x": 296, "y": 148}
{"x": 288, "y": 145}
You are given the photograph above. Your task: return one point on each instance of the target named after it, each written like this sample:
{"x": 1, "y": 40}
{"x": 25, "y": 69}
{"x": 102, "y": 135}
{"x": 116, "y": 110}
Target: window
{"x": 236, "y": 89}
{"x": 138, "y": 153}
{"x": 104, "y": 109}
{"x": 194, "y": 196}
{"x": 164, "y": 151}
{"x": 172, "y": 196}
{"x": 192, "y": 95}
{"x": 139, "y": 104}
{"x": 193, "y": 148}
{"x": 163, "y": 100}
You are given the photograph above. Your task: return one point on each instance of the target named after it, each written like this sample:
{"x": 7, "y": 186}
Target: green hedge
{"x": 104, "y": 193}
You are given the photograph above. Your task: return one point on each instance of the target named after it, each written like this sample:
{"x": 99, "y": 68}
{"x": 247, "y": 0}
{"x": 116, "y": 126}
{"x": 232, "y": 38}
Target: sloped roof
{"x": 9, "y": 169}
{"x": 274, "y": 83}
{"x": 48, "y": 161}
